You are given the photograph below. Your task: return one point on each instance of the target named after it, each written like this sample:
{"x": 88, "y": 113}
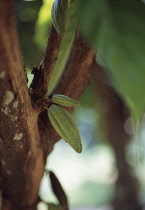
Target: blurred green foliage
{"x": 116, "y": 29}
{"x": 43, "y": 24}
{"x": 27, "y": 14}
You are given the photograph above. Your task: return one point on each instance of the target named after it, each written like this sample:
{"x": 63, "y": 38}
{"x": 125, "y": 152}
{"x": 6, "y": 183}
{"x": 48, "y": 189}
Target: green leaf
{"x": 59, "y": 15}
{"x": 65, "y": 47}
{"x": 116, "y": 29}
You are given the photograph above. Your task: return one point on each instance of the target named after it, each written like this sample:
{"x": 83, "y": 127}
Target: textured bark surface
{"x": 43, "y": 73}
{"x": 26, "y": 136}
{"x": 74, "y": 79}
{"x": 21, "y": 154}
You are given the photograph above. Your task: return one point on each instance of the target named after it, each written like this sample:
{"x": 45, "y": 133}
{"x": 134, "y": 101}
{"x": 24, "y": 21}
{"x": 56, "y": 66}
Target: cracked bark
{"x": 21, "y": 153}
{"x": 25, "y": 139}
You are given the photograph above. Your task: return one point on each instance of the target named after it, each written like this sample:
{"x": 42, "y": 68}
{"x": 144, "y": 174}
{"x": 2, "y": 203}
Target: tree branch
{"x": 77, "y": 71}
{"x": 43, "y": 73}
{"x": 113, "y": 114}
{"x": 73, "y": 81}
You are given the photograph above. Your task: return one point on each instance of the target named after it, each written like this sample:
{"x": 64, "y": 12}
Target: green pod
{"x": 59, "y": 15}
{"x": 65, "y": 126}
{"x": 63, "y": 100}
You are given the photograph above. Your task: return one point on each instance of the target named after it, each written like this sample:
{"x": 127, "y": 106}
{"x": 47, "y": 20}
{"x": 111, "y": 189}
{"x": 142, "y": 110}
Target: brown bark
{"x": 43, "y": 73}
{"x": 22, "y": 161}
{"x": 76, "y": 71}
{"x": 113, "y": 116}
{"x": 73, "y": 81}
{"x": 25, "y": 139}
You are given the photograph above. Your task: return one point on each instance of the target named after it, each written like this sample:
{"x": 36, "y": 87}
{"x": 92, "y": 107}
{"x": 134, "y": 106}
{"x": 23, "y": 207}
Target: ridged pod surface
{"x": 64, "y": 100}
{"x": 65, "y": 126}
{"x": 59, "y": 15}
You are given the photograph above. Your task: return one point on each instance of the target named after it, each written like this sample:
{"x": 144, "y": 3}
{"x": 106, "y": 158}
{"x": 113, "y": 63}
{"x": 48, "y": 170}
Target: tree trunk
{"x": 26, "y": 136}
{"x": 22, "y": 161}
{"x": 114, "y": 113}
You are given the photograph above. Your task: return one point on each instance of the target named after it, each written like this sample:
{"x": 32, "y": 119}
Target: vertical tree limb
{"x": 43, "y": 73}
{"x": 21, "y": 157}
{"x": 74, "y": 79}
{"x": 113, "y": 116}
{"x": 77, "y": 70}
